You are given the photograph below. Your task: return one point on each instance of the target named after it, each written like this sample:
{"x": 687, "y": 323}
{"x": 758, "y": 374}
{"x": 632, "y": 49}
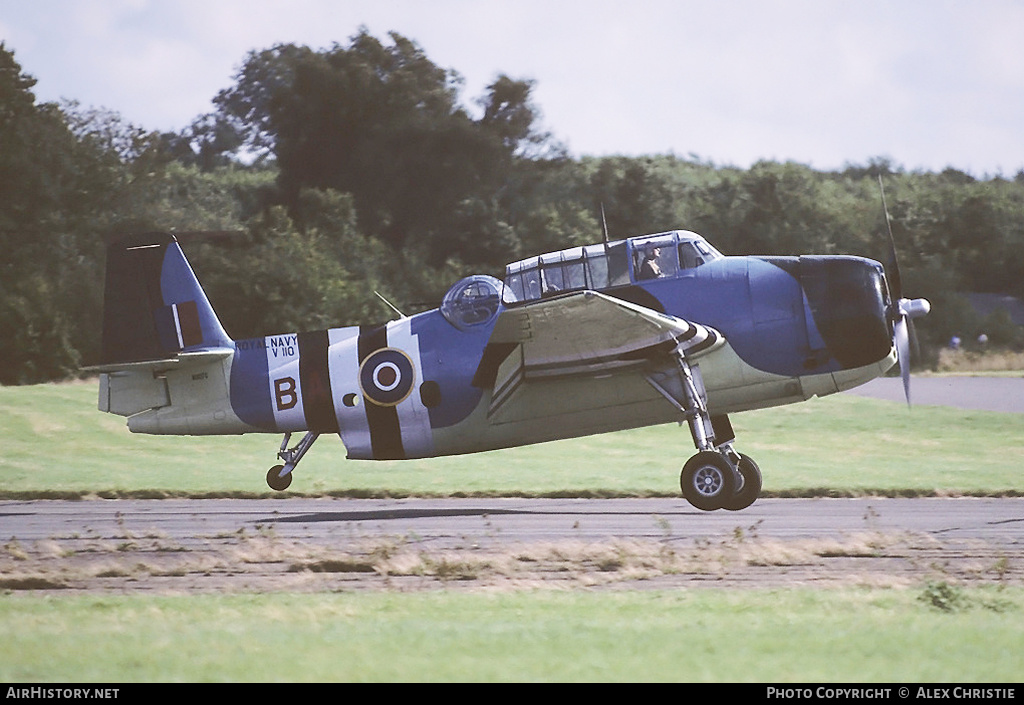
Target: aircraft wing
{"x": 583, "y": 333}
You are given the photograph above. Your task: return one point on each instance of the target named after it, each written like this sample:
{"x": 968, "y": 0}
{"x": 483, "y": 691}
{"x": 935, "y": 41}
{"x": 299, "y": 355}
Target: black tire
{"x": 707, "y": 481}
{"x": 751, "y": 489}
{"x": 277, "y": 482}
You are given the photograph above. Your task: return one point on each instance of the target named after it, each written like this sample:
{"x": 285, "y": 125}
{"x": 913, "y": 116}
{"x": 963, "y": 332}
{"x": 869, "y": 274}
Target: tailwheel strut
{"x": 279, "y": 477}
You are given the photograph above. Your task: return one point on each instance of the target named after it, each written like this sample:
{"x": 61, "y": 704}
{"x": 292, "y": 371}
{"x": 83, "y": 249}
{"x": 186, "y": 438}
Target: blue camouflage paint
{"x": 450, "y": 356}
{"x": 178, "y": 284}
{"x": 250, "y": 384}
{"x": 759, "y": 308}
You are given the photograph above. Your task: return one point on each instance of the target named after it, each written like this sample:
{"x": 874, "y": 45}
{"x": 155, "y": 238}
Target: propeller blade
{"x": 902, "y": 311}
{"x": 893, "y": 266}
{"x": 902, "y": 340}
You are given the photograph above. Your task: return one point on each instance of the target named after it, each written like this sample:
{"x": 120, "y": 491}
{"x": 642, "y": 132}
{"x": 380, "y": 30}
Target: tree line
{"x": 322, "y": 176}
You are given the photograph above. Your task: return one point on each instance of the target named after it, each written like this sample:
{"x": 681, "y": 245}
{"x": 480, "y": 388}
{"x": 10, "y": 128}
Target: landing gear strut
{"x": 716, "y": 477}
{"x": 279, "y": 477}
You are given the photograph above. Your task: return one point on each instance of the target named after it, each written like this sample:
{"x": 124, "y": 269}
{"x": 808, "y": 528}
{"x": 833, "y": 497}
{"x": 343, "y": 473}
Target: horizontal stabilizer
{"x": 181, "y": 361}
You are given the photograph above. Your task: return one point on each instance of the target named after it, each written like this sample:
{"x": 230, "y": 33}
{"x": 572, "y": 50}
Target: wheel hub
{"x": 708, "y": 481}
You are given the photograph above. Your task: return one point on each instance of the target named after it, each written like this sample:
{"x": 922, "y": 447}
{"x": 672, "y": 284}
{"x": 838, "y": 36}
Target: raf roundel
{"x": 386, "y": 377}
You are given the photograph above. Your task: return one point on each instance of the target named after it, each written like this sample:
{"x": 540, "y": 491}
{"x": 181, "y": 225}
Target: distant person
{"x": 650, "y": 269}
{"x": 954, "y": 342}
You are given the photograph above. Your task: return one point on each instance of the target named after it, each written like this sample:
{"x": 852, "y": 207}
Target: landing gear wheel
{"x": 750, "y": 490}
{"x": 275, "y": 480}
{"x": 707, "y": 481}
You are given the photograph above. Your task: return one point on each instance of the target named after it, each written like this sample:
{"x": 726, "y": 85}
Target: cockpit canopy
{"x": 606, "y": 265}
{"x": 472, "y": 301}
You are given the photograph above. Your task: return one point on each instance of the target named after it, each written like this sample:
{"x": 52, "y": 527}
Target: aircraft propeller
{"x": 902, "y": 311}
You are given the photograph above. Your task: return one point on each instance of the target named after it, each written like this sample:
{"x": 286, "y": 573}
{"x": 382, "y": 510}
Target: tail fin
{"x": 154, "y": 307}
{"x": 165, "y": 355}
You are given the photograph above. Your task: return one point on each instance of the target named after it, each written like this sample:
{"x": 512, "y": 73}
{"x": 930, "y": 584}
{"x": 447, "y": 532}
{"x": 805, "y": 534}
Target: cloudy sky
{"x": 925, "y": 83}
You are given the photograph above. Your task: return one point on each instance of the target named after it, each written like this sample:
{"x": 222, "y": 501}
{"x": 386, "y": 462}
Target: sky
{"x": 927, "y": 84}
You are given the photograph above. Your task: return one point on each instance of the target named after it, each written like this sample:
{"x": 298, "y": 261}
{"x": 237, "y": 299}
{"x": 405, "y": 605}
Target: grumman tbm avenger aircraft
{"x": 591, "y": 339}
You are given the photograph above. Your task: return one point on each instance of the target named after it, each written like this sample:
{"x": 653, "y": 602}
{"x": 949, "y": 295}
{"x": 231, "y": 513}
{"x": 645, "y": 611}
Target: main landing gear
{"x": 717, "y": 477}
{"x": 720, "y": 479}
{"x": 279, "y": 477}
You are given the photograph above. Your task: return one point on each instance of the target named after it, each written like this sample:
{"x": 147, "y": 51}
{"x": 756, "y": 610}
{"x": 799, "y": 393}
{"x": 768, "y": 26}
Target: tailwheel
{"x": 707, "y": 481}
{"x": 276, "y": 481}
{"x": 280, "y": 476}
{"x": 750, "y": 490}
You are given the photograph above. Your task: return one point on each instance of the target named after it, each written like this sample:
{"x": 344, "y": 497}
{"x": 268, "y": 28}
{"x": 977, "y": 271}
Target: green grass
{"x": 684, "y": 636}
{"x": 55, "y": 441}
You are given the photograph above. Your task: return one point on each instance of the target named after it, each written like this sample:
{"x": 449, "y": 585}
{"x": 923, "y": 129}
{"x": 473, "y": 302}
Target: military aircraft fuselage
{"x": 787, "y": 328}
{"x": 591, "y": 339}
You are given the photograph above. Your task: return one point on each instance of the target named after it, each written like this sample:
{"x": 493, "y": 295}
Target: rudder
{"x": 154, "y": 306}
{"x": 166, "y": 358}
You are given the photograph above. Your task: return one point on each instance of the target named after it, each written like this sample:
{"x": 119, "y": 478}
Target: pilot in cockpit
{"x": 650, "y": 268}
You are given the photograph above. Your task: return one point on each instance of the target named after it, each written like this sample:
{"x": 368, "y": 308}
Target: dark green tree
{"x": 49, "y": 184}
{"x": 384, "y": 123}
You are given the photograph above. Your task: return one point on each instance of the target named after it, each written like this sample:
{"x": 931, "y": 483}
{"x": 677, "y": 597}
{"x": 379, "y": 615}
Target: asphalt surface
{"x": 327, "y": 545}
{"x": 980, "y": 393}
{"x": 451, "y": 523}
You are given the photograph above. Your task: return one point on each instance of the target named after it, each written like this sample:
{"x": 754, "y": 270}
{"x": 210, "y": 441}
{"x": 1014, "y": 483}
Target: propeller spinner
{"x": 902, "y": 311}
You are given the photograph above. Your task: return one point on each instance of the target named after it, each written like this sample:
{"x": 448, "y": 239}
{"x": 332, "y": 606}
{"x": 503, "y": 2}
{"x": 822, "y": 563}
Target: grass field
{"x": 55, "y": 441}
{"x": 794, "y": 635}
{"x": 56, "y": 444}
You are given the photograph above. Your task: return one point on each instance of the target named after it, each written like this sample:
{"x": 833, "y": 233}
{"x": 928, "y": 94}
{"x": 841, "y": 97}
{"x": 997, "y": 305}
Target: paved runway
{"x": 349, "y": 544}
{"x": 981, "y": 393}
{"x": 448, "y": 522}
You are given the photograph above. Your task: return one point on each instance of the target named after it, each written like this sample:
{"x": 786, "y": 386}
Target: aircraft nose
{"x": 848, "y": 304}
